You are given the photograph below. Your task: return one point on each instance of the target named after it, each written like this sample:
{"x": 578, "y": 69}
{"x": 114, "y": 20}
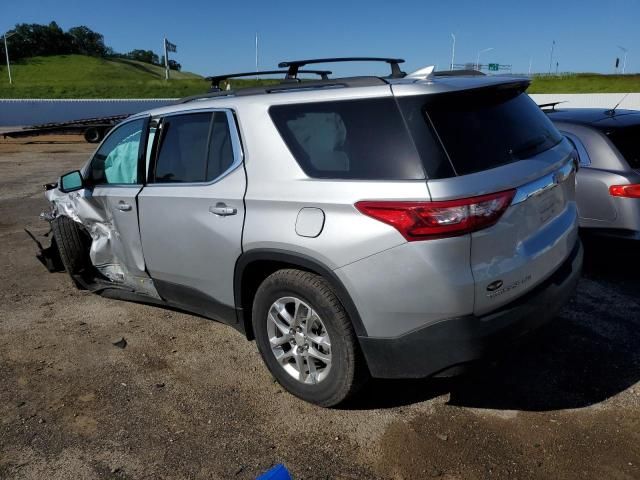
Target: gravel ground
{"x": 190, "y": 398}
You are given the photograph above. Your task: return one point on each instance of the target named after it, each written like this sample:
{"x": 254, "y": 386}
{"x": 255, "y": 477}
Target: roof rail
{"x": 216, "y": 79}
{"x": 294, "y": 65}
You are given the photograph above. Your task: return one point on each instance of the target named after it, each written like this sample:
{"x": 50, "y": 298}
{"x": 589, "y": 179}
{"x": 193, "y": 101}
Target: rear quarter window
{"x": 352, "y": 139}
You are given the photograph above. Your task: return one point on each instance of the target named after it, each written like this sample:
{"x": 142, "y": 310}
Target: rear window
{"x": 354, "y": 139}
{"x": 627, "y": 141}
{"x": 480, "y": 129}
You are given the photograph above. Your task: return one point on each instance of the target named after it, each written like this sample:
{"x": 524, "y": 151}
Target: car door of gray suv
{"x": 109, "y": 208}
{"x": 192, "y": 211}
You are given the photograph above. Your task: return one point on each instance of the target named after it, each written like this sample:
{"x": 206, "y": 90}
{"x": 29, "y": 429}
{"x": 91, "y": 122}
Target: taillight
{"x": 629, "y": 191}
{"x": 429, "y": 220}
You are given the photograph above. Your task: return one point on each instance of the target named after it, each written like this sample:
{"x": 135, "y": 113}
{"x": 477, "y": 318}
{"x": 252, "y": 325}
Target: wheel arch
{"x": 254, "y": 266}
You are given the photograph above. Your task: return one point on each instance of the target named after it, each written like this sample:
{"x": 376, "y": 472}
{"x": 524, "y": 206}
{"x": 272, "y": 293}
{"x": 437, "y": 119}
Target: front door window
{"x": 116, "y": 161}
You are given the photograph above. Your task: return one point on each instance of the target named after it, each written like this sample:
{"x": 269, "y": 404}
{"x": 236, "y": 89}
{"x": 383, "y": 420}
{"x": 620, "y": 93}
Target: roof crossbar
{"x": 294, "y": 65}
{"x": 217, "y": 79}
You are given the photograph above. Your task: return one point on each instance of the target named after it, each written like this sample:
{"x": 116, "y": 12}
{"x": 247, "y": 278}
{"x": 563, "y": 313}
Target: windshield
{"x": 483, "y": 129}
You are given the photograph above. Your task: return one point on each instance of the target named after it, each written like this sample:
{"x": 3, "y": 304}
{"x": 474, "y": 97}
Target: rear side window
{"x": 193, "y": 148}
{"x": 481, "y": 129}
{"x": 353, "y": 139}
{"x": 627, "y": 141}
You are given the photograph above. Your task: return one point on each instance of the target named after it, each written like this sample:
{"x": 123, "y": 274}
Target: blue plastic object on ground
{"x": 279, "y": 472}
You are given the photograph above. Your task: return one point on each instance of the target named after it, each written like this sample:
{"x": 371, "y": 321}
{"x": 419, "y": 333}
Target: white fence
{"x": 31, "y": 112}
{"x": 589, "y": 100}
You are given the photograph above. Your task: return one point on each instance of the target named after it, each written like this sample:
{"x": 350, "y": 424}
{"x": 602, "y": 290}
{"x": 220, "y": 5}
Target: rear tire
{"x": 72, "y": 244}
{"x": 310, "y": 346}
{"x": 93, "y": 135}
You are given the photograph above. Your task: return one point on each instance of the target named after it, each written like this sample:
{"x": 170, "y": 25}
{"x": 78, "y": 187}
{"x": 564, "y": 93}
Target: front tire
{"x": 306, "y": 339}
{"x": 71, "y": 240}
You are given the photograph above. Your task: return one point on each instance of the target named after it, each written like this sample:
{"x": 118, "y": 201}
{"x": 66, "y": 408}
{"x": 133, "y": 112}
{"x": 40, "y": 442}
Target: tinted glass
{"x": 183, "y": 151}
{"x": 355, "y": 139}
{"x": 627, "y": 141}
{"x": 220, "y": 156}
{"x": 116, "y": 161}
{"x": 484, "y": 128}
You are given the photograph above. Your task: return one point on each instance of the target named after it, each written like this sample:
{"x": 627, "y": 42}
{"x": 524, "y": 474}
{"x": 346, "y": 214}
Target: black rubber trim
{"x": 196, "y": 301}
{"x": 302, "y": 261}
{"x": 438, "y": 347}
{"x": 108, "y": 290}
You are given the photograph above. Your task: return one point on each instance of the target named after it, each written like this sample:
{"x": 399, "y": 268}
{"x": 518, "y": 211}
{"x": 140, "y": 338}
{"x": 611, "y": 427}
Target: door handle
{"x": 124, "y": 207}
{"x": 222, "y": 210}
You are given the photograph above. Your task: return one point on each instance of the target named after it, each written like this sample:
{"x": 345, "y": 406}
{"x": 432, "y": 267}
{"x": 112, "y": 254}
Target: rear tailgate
{"x": 530, "y": 241}
{"x": 496, "y": 139}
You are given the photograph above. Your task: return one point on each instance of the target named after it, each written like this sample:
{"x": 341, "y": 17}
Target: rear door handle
{"x": 124, "y": 207}
{"x": 222, "y": 210}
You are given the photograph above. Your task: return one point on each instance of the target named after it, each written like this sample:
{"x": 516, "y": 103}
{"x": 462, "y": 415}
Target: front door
{"x": 192, "y": 211}
{"x": 115, "y": 177}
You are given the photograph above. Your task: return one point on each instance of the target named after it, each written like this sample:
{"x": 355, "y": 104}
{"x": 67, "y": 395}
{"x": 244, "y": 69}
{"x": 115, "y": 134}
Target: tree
{"x": 146, "y": 56}
{"x": 87, "y": 42}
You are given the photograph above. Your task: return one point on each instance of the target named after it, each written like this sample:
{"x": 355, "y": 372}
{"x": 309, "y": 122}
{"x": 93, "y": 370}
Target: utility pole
{"x": 166, "y": 60}
{"x": 530, "y": 62}
{"x": 257, "y": 69}
{"x": 453, "y": 50}
{"x": 553, "y": 45}
{"x": 6, "y": 52}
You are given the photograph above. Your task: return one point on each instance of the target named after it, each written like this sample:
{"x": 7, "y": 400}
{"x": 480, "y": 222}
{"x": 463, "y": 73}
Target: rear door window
{"x": 481, "y": 129}
{"x": 194, "y": 148}
{"x": 353, "y": 139}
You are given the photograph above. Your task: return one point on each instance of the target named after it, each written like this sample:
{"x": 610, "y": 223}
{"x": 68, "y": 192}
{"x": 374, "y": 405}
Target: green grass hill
{"x": 78, "y": 76}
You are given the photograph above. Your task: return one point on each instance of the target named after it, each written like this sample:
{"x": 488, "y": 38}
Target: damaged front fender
{"x": 116, "y": 249}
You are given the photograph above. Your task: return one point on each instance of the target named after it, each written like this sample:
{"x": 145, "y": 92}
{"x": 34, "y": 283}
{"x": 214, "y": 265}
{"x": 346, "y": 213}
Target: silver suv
{"x": 392, "y": 227}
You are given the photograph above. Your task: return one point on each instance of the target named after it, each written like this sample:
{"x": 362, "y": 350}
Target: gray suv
{"x": 394, "y": 227}
{"x": 608, "y": 184}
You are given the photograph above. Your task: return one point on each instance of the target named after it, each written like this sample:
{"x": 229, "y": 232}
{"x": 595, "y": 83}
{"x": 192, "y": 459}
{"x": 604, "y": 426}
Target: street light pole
{"x": 478, "y": 57}
{"x": 453, "y": 50}
{"x": 553, "y": 45}
{"x": 6, "y": 52}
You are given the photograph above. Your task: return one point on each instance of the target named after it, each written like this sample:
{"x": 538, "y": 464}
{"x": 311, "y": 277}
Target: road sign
{"x": 493, "y": 67}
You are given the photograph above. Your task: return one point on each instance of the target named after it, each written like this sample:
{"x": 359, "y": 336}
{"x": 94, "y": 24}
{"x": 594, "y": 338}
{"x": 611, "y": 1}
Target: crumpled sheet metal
{"x": 105, "y": 252}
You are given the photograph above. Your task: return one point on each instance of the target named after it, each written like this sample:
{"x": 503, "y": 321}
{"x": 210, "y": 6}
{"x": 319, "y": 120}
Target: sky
{"x": 216, "y": 37}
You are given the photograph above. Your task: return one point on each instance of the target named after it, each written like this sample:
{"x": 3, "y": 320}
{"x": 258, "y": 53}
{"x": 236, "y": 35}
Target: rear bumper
{"x": 437, "y": 347}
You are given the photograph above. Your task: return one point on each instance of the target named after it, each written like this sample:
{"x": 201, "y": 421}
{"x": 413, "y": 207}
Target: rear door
{"x": 192, "y": 211}
{"x": 115, "y": 175}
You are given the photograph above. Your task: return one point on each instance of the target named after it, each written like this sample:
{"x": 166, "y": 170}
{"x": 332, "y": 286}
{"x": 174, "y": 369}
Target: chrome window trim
{"x": 236, "y": 145}
{"x": 545, "y": 183}
{"x": 583, "y": 156}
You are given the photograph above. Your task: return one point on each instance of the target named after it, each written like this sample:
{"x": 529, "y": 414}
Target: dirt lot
{"x": 189, "y": 398}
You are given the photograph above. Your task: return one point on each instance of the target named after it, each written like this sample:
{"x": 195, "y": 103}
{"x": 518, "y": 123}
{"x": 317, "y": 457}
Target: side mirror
{"x": 70, "y": 182}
